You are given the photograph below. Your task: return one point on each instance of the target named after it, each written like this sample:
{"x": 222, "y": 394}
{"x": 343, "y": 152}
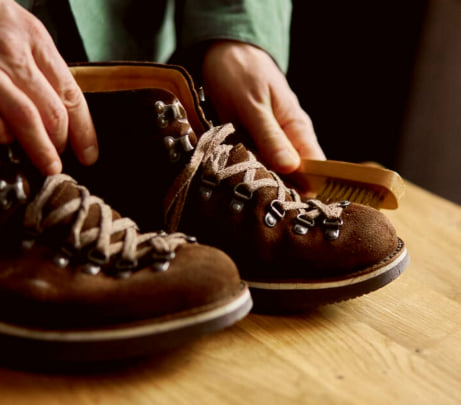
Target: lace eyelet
{"x": 61, "y": 260}
{"x": 125, "y": 264}
{"x": 29, "y": 237}
{"x": 177, "y": 147}
{"x": 91, "y": 268}
{"x": 11, "y": 193}
{"x": 167, "y": 113}
{"x": 331, "y": 231}
{"x": 97, "y": 257}
{"x": 208, "y": 184}
{"x": 241, "y": 195}
{"x": 162, "y": 260}
{"x": 344, "y": 203}
{"x": 303, "y": 224}
{"x": 191, "y": 239}
{"x": 123, "y": 274}
{"x": 274, "y": 213}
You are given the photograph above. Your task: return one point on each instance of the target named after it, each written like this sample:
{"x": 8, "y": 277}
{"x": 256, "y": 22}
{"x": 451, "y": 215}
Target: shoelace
{"x": 129, "y": 249}
{"x": 212, "y": 154}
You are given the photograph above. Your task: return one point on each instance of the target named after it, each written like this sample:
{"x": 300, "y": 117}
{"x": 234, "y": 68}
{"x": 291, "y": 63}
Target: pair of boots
{"x": 80, "y": 281}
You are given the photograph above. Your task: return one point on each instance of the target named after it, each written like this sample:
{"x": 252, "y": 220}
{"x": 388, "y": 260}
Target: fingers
{"x": 21, "y": 118}
{"x": 294, "y": 121}
{"x": 300, "y": 131}
{"x": 80, "y": 126}
{"x": 28, "y": 79}
{"x": 247, "y": 88}
{"x": 41, "y": 105}
{"x": 271, "y": 141}
{"x": 282, "y": 131}
{"x": 303, "y": 137}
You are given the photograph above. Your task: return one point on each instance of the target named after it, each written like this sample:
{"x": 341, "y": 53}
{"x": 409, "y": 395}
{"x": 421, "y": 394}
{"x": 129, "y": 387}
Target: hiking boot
{"x": 79, "y": 282}
{"x": 294, "y": 254}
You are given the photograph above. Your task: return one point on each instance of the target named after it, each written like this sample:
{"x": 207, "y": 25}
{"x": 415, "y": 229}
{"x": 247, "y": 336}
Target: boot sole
{"x": 299, "y": 296}
{"x": 23, "y": 345}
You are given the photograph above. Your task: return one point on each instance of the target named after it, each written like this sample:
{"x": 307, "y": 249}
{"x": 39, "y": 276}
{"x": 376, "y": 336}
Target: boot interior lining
{"x": 104, "y": 78}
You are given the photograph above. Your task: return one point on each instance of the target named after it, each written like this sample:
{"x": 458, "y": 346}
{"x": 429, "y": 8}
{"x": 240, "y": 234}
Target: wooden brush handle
{"x": 313, "y": 174}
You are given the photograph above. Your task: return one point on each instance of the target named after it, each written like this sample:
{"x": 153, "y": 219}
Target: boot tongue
{"x": 243, "y": 144}
{"x": 239, "y": 154}
{"x": 67, "y": 192}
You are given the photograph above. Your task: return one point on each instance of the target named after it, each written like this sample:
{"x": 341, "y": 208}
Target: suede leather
{"x": 34, "y": 291}
{"x": 133, "y": 156}
{"x": 366, "y": 236}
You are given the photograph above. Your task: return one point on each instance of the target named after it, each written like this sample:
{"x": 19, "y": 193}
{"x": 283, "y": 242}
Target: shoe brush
{"x": 364, "y": 183}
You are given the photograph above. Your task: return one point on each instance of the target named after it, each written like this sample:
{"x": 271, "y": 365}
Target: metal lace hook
{"x": 274, "y": 214}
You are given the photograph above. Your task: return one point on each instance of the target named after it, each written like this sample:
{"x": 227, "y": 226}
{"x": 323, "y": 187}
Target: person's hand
{"x": 41, "y": 106}
{"x": 247, "y": 88}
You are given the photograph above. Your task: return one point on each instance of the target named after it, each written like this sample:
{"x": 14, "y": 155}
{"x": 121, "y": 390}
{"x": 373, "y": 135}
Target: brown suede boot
{"x": 78, "y": 282}
{"x": 294, "y": 254}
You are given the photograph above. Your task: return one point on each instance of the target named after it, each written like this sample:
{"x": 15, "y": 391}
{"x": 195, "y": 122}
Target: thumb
{"x": 300, "y": 132}
{"x": 271, "y": 141}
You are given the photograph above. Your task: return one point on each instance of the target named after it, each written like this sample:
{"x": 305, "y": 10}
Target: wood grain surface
{"x": 398, "y": 345}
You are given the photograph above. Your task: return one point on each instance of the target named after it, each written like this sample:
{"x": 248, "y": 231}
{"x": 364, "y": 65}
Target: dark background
{"x": 351, "y": 66}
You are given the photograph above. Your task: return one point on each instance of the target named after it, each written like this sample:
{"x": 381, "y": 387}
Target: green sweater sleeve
{"x": 263, "y": 23}
{"x": 128, "y": 29}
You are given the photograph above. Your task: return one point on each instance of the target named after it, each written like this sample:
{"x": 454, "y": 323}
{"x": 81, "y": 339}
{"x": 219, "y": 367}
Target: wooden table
{"x": 399, "y": 345}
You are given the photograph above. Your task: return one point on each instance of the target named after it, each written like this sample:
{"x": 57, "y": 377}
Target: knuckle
{"x": 71, "y": 96}
{"x": 37, "y": 30}
{"x": 25, "y": 112}
{"x": 16, "y": 62}
{"x": 56, "y": 119}
{"x": 22, "y": 69}
{"x": 306, "y": 122}
{"x": 17, "y": 41}
{"x": 8, "y": 45}
{"x": 12, "y": 49}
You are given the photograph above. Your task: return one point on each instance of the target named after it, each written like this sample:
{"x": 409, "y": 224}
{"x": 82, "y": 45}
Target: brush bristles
{"x": 353, "y": 192}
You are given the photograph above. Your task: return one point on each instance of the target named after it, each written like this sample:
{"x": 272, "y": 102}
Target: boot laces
{"x": 213, "y": 155}
{"x": 130, "y": 248}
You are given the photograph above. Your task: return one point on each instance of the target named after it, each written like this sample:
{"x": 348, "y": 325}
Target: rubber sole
{"x": 300, "y": 296}
{"x": 24, "y": 345}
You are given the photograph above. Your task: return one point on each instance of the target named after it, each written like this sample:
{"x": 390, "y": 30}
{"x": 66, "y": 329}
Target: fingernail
{"x": 286, "y": 159}
{"x": 90, "y": 155}
{"x": 53, "y": 168}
